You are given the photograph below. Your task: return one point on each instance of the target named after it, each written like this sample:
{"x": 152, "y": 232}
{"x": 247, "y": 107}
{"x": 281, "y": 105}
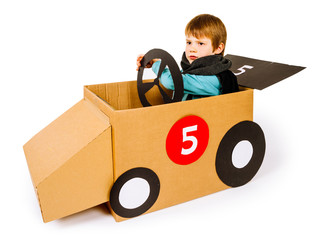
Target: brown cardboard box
{"x": 71, "y": 160}
{"x": 139, "y": 137}
{"x": 76, "y": 162}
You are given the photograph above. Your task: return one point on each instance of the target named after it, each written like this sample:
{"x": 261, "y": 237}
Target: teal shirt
{"x": 193, "y": 84}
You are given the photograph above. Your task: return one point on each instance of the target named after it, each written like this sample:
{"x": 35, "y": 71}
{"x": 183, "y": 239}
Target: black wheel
{"x": 166, "y": 60}
{"x": 227, "y": 172}
{"x": 154, "y": 184}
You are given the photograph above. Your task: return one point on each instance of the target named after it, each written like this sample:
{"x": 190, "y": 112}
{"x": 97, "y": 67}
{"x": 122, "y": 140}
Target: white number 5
{"x": 242, "y": 69}
{"x": 193, "y": 139}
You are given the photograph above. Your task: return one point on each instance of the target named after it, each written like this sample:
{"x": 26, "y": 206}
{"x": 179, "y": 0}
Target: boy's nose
{"x": 193, "y": 49}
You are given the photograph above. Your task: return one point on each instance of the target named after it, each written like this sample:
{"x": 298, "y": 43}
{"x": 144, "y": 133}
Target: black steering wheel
{"x": 166, "y": 60}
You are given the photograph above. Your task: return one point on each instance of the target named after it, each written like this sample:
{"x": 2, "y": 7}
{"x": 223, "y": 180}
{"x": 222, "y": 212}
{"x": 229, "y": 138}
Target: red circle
{"x": 187, "y": 140}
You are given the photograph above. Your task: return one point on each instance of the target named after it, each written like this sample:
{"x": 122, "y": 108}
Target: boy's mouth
{"x": 192, "y": 57}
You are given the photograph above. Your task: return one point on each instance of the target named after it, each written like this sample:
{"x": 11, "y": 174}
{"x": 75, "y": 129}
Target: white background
{"x": 50, "y": 49}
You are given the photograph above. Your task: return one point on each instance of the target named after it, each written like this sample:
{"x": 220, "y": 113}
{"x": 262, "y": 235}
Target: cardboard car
{"x": 180, "y": 151}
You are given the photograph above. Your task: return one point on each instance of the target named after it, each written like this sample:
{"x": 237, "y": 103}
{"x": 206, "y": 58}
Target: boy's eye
{"x": 201, "y": 43}
{"x": 188, "y": 43}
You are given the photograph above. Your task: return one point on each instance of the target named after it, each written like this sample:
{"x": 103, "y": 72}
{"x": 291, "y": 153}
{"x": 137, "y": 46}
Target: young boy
{"x": 205, "y": 71}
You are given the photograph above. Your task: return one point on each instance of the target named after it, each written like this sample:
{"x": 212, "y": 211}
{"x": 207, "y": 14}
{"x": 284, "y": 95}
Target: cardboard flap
{"x": 63, "y": 138}
{"x": 260, "y": 74}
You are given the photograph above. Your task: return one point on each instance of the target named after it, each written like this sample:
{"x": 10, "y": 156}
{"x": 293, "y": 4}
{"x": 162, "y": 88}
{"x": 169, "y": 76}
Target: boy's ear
{"x": 219, "y": 49}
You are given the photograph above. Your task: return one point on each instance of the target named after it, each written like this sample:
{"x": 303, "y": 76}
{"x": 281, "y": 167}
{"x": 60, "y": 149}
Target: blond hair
{"x": 206, "y": 25}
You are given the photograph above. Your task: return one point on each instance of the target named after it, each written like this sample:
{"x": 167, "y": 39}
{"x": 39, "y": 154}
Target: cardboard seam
{"x": 113, "y": 153}
{"x": 39, "y": 201}
{"x": 118, "y": 98}
{"x": 101, "y": 114}
{"x": 73, "y": 156}
{"x": 69, "y": 158}
{"x": 94, "y": 99}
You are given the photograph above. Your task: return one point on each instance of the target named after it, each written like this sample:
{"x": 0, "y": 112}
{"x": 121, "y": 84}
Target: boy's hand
{"x": 139, "y": 58}
{"x": 149, "y": 65}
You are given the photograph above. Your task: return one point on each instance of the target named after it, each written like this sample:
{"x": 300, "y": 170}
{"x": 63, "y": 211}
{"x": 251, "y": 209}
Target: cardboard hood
{"x": 69, "y": 159}
{"x": 259, "y": 74}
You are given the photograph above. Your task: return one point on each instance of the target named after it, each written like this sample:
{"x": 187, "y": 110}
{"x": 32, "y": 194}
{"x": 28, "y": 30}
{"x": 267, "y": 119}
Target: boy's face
{"x": 198, "y": 47}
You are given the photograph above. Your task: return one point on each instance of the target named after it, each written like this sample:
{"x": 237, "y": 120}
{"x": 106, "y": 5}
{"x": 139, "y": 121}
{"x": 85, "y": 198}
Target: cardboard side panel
{"x": 121, "y": 96}
{"x": 70, "y": 161}
{"x": 82, "y": 182}
{"x": 139, "y": 137}
{"x": 63, "y": 138}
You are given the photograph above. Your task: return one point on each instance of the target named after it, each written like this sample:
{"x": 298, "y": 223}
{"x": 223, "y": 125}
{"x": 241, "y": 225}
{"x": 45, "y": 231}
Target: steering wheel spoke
{"x": 164, "y": 95}
{"x": 161, "y": 68}
{"x": 147, "y": 86}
